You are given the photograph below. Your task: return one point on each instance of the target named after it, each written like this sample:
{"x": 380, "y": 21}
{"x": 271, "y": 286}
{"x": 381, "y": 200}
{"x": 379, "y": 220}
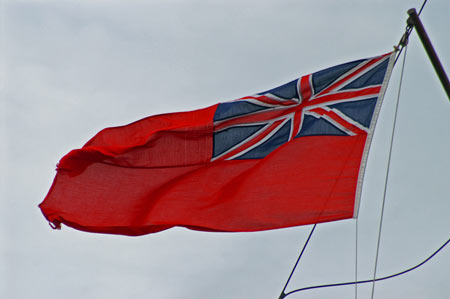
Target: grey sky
{"x": 71, "y": 68}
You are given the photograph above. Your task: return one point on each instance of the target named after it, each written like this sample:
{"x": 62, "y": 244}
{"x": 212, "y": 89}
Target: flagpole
{"x": 414, "y": 20}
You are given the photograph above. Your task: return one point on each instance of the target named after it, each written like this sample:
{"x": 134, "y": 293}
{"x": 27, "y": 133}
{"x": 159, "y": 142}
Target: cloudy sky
{"x": 71, "y": 68}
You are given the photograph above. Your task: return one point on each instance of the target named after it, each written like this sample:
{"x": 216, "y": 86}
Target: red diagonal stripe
{"x": 252, "y": 141}
{"x": 339, "y": 120}
{"x": 352, "y": 74}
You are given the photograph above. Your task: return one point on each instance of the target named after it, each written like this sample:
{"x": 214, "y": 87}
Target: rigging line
{"x": 404, "y": 40}
{"x": 356, "y": 258}
{"x": 387, "y": 172}
{"x": 282, "y": 295}
{"x": 421, "y": 8}
{"x": 370, "y": 280}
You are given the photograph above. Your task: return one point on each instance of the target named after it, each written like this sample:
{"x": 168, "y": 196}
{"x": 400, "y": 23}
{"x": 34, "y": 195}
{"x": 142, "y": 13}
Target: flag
{"x": 289, "y": 156}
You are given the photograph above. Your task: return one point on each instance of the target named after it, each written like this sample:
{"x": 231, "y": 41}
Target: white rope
{"x": 356, "y": 258}
{"x": 387, "y": 173}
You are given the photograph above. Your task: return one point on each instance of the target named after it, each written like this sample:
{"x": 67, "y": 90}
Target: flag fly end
{"x": 55, "y": 225}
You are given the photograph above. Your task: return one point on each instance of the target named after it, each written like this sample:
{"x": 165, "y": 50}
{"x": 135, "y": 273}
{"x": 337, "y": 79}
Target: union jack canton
{"x": 339, "y": 101}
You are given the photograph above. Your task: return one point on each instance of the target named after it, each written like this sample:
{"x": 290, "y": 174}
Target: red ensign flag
{"x": 289, "y": 156}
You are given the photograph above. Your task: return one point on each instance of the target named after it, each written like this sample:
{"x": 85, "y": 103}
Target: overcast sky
{"x": 71, "y": 68}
